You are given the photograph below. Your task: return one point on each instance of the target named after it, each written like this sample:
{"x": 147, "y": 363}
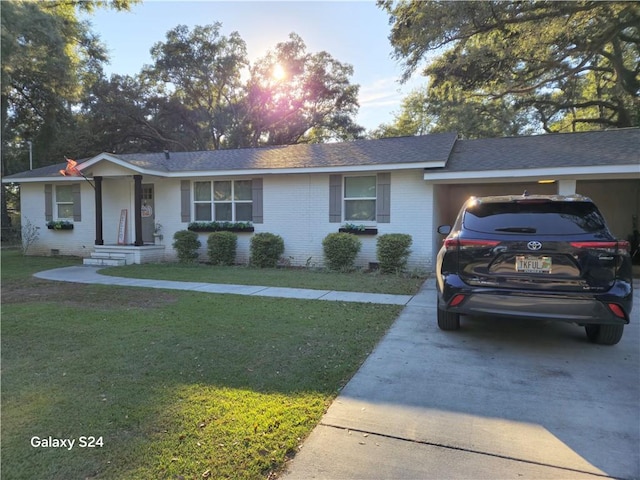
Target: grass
{"x": 373, "y": 282}
{"x": 177, "y": 384}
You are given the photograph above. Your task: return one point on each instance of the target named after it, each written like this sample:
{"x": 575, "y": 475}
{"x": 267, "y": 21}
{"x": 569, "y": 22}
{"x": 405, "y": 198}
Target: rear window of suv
{"x": 547, "y": 218}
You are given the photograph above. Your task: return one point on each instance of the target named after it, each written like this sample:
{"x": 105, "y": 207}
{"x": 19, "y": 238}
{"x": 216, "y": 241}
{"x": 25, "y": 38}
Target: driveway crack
{"x": 468, "y": 450}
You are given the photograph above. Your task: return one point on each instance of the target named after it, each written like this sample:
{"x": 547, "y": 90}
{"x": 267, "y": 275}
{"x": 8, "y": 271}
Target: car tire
{"x": 448, "y": 320}
{"x": 604, "y": 334}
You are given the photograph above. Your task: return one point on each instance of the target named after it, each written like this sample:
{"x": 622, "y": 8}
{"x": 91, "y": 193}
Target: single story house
{"x": 127, "y": 207}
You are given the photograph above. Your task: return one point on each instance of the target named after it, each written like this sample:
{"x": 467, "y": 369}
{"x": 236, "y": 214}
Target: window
{"x": 223, "y": 201}
{"x": 64, "y": 201}
{"x": 202, "y": 201}
{"x": 543, "y": 218}
{"x": 360, "y": 199}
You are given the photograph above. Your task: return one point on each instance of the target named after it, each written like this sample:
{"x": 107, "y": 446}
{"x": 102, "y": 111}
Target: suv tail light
{"x": 617, "y": 310}
{"x": 620, "y": 248}
{"x": 453, "y": 243}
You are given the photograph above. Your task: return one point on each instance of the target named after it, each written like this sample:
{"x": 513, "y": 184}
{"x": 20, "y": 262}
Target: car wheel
{"x": 448, "y": 320}
{"x": 604, "y": 334}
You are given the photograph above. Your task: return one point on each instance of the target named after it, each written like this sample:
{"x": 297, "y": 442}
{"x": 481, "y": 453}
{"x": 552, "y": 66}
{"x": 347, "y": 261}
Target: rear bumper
{"x": 577, "y": 308}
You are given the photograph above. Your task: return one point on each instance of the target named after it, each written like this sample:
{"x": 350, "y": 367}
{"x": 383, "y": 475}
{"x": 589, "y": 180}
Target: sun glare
{"x": 278, "y": 72}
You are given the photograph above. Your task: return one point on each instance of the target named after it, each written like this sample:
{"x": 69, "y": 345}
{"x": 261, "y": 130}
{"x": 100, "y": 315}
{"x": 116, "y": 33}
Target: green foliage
{"x": 220, "y": 226}
{"x": 205, "y": 68}
{"x": 317, "y": 279}
{"x": 186, "y": 244}
{"x": 221, "y": 247}
{"x": 341, "y": 250}
{"x": 266, "y": 249}
{"x": 59, "y": 225}
{"x": 393, "y": 250}
{"x": 505, "y": 66}
{"x": 313, "y": 102}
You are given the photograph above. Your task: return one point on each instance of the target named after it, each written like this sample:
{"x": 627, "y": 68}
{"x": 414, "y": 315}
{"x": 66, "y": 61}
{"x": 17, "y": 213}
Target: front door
{"x": 148, "y": 214}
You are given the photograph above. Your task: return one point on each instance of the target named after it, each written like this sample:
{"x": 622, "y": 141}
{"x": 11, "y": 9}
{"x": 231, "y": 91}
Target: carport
{"x": 604, "y": 166}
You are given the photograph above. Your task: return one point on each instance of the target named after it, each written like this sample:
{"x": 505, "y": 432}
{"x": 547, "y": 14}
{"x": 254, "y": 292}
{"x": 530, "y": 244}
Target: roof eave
{"x": 528, "y": 174}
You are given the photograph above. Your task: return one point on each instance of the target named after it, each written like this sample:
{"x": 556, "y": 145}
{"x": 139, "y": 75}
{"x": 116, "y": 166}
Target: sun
{"x": 278, "y": 73}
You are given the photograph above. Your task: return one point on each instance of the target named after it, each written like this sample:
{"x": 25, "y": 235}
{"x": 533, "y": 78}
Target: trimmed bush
{"x": 341, "y": 250}
{"x": 221, "y": 247}
{"x": 186, "y": 244}
{"x": 266, "y": 250}
{"x": 393, "y": 251}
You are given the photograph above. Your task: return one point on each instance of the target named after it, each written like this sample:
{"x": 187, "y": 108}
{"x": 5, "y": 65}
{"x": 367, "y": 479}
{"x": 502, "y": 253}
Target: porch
{"x": 118, "y": 255}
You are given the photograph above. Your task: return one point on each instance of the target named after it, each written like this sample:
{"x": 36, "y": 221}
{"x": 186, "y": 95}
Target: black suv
{"x": 535, "y": 256}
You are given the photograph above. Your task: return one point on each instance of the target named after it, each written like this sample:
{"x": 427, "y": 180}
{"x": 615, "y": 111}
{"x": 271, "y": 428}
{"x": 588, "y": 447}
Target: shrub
{"x": 393, "y": 250}
{"x": 186, "y": 244}
{"x": 221, "y": 247}
{"x": 266, "y": 249}
{"x": 341, "y": 250}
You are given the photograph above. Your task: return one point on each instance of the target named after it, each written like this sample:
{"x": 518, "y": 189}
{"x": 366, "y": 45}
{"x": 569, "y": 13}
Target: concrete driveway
{"x": 499, "y": 399}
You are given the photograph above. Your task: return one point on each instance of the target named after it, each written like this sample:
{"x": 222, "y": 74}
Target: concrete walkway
{"x": 89, "y": 274}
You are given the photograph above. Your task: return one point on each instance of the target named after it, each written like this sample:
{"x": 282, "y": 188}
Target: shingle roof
{"x": 428, "y": 148}
{"x": 608, "y": 147}
{"x": 386, "y": 151}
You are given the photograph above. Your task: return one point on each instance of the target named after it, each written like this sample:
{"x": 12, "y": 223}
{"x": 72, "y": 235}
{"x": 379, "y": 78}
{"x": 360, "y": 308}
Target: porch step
{"x": 105, "y": 262}
{"x": 110, "y": 259}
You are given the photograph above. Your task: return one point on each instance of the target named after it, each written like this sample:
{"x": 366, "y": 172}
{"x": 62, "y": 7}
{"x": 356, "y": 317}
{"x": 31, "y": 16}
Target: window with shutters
{"x": 360, "y": 198}
{"x": 64, "y": 202}
{"x": 223, "y": 201}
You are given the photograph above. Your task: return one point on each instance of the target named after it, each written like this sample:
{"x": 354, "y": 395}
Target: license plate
{"x": 527, "y": 264}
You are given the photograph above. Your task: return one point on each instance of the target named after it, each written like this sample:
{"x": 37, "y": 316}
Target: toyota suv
{"x": 535, "y": 256}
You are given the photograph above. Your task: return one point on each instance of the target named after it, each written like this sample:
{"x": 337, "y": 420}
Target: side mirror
{"x": 444, "y": 229}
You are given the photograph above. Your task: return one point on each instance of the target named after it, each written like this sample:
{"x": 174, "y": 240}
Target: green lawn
{"x": 171, "y": 384}
{"x": 373, "y": 282}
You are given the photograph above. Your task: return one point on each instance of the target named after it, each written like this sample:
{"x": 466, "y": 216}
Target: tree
{"x": 413, "y": 118}
{"x": 48, "y": 55}
{"x": 129, "y": 114}
{"x": 202, "y": 69}
{"x": 567, "y": 64}
{"x": 294, "y": 96}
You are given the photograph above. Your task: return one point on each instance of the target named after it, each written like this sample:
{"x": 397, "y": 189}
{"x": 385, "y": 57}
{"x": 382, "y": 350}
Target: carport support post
{"x": 98, "y": 198}
{"x": 137, "y": 193}
{"x": 567, "y": 187}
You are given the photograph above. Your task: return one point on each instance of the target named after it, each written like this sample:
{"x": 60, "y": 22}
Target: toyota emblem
{"x": 534, "y": 245}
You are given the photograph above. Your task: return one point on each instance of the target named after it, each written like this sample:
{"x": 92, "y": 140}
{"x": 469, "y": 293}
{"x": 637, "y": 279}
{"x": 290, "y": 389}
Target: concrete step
{"x": 105, "y": 262}
{"x": 109, "y": 255}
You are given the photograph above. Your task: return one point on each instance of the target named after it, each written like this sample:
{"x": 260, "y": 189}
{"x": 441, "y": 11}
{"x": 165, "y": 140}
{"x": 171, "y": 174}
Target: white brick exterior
{"x": 78, "y": 241}
{"x": 296, "y": 207}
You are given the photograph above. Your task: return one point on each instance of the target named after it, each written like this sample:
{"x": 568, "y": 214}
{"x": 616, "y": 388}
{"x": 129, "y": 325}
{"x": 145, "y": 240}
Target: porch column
{"x": 137, "y": 193}
{"x": 98, "y": 196}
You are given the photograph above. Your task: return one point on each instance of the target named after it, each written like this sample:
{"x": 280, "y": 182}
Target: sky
{"x": 353, "y": 32}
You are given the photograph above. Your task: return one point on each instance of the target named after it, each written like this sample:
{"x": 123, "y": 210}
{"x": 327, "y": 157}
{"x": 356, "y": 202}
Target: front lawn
{"x": 373, "y": 282}
{"x": 170, "y": 384}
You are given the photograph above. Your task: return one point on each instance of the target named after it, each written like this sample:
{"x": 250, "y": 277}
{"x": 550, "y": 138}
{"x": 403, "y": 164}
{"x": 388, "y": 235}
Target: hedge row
{"x": 340, "y": 249}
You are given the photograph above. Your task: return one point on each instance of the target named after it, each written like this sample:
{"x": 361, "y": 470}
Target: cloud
{"x": 383, "y": 92}
{"x": 380, "y": 100}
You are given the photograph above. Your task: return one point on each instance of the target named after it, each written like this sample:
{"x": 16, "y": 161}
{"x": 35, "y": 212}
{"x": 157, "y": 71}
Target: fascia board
{"x": 239, "y": 172}
{"x": 303, "y": 170}
{"x": 621, "y": 171}
{"x": 43, "y": 179}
